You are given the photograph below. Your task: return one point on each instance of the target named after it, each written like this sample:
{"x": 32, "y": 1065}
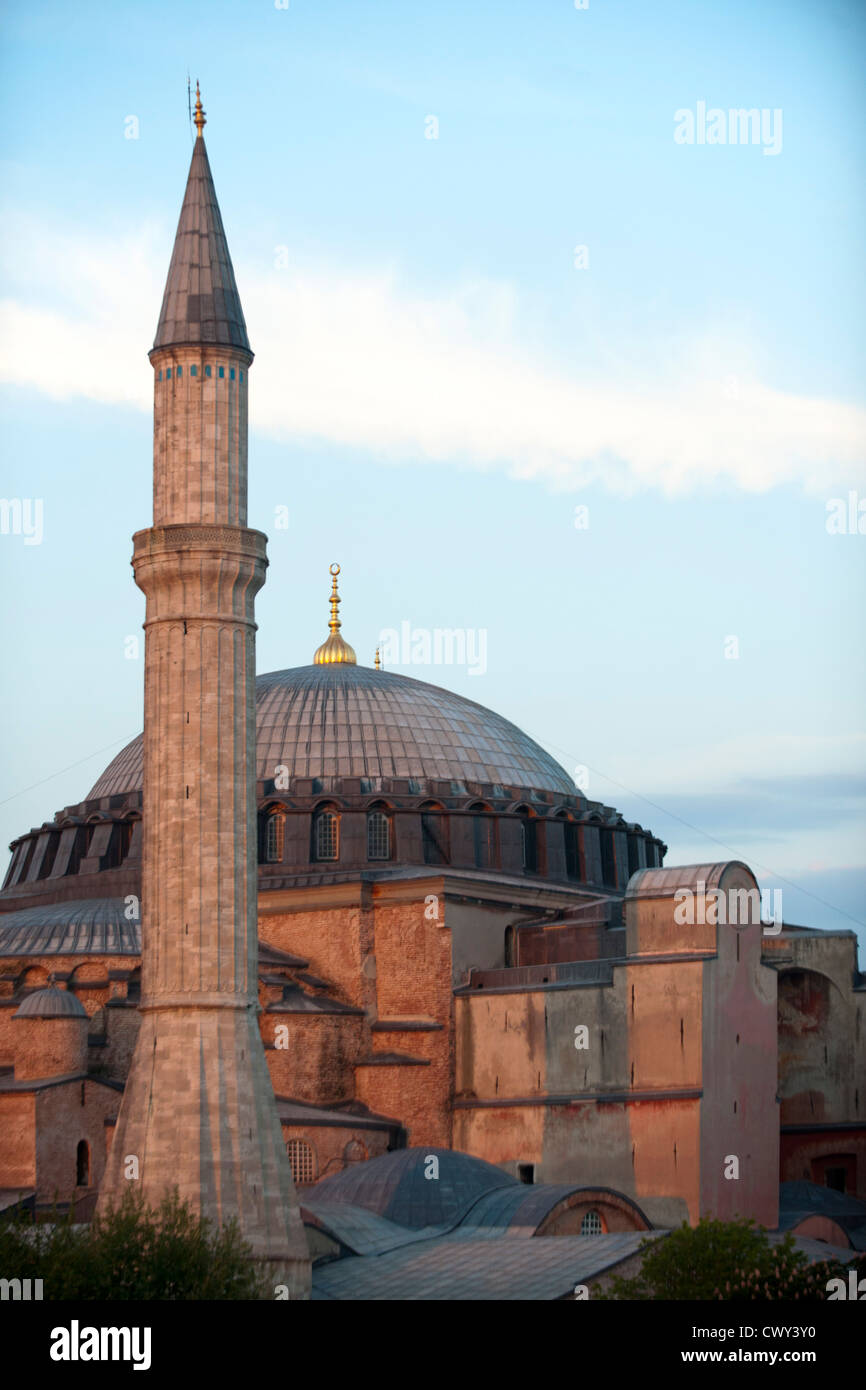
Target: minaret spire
{"x": 199, "y": 119}
{"x": 201, "y": 303}
{"x": 198, "y": 1111}
{"x": 335, "y": 650}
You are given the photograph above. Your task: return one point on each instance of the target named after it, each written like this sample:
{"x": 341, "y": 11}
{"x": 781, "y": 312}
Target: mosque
{"x": 455, "y": 954}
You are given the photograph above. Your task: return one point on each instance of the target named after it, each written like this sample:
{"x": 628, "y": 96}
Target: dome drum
{"x": 359, "y": 770}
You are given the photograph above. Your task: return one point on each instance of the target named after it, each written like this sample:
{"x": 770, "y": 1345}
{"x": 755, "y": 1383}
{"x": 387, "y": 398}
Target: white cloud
{"x": 359, "y": 360}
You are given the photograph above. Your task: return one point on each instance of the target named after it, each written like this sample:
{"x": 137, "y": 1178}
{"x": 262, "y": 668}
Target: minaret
{"x": 198, "y": 1111}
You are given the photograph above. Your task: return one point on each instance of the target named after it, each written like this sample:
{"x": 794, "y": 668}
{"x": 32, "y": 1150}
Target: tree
{"x": 132, "y": 1252}
{"x": 724, "y": 1260}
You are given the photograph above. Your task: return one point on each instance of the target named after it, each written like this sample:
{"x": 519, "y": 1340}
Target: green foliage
{"x": 724, "y": 1260}
{"x": 132, "y": 1253}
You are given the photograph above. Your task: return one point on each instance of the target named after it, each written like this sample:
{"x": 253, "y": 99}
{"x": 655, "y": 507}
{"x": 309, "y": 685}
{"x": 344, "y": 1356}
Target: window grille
{"x": 327, "y": 838}
{"x": 378, "y": 835}
{"x": 303, "y": 1161}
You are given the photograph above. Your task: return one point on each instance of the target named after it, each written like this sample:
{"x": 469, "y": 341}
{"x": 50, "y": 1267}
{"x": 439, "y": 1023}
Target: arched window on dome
{"x": 434, "y": 833}
{"x": 86, "y": 838}
{"x": 573, "y": 847}
{"x": 483, "y": 836}
{"x": 82, "y": 1164}
{"x": 326, "y": 834}
{"x": 275, "y": 836}
{"x": 528, "y": 839}
{"x": 608, "y": 857}
{"x": 378, "y": 833}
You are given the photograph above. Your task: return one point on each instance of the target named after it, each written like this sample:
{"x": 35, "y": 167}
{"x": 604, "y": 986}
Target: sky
{"x": 550, "y": 349}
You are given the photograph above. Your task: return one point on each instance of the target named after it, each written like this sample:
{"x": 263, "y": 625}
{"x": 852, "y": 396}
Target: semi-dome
{"x": 51, "y": 1003}
{"x": 347, "y": 720}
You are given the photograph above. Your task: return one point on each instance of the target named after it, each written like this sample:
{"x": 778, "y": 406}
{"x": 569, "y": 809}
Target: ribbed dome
{"x": 51, "y": 1003}
{"x": 344, "y": 720}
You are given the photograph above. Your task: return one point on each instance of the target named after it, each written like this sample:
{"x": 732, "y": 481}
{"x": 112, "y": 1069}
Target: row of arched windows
{"x": 326, "y": 835}
{"x": 436, "y": 839}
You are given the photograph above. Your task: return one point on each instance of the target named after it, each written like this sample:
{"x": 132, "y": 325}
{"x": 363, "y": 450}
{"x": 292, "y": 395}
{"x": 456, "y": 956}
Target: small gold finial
{"x": 198, "y": 119}
{"x": 334, "y": 650}
{"x": 377, "y": 662}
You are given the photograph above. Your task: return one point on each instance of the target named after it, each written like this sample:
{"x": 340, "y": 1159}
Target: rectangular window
{"x": 222, "y": 371}
{"x": 231, "y": 373}
{"x": 242, "y": 376}
{"x": 159, "y": 377}
{"x": 168, "y": 373}
{"x": 207, "y": 370}
{"x": 180, "y": 371}
{"x": 193, "y": 371}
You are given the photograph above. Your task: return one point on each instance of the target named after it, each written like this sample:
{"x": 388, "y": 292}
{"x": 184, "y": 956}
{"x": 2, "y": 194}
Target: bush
{"x": 132, "y": 1252}
{"x": 725, "y": 1260}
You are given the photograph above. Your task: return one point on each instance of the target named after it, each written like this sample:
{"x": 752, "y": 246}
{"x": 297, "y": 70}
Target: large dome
{"x": 347, "y": 720}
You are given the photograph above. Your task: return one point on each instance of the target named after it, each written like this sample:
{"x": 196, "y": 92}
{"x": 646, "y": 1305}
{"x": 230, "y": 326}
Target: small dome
{"x": 397, "y": 1186}
{"x": 51, "y": 1003}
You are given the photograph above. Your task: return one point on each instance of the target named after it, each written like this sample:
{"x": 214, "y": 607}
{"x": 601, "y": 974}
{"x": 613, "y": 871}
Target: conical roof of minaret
{"x": 201, "y": 304}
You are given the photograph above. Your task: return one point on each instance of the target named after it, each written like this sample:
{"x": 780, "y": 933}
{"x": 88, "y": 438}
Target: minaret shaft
{"x": 198, "y": 1111}
{"x": 200, "y": 438}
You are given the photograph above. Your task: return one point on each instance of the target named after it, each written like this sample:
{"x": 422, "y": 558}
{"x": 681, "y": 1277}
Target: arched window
{"x": 302, "y": 1157}
{"x": 574, "y": 860}
{"x": 378, "y": 834}
{"x": 326, "y": 835}
{"x": 592, "y": 1224}
{"x": 483, "y": 836}
{"x": 82, "y": 1164}
{"x": 608, "y": 857}
{"x": 124, "y": 837}
{"x": 434, "y": 833}
{"x": 528, "y": 840}
{"x": 89, "y": 832}
{"x": 275, "y": 837}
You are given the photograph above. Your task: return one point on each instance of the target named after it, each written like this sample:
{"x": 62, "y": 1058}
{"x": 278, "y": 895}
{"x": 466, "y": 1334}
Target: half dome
{"x": 51, "y": 1003}
{"x": 346, "y": 720}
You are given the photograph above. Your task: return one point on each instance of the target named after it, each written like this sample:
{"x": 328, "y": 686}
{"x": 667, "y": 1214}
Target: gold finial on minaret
{"x": 377, "y": 662}
{"x": 198, "y": 118}
{"x": 334, "y": 650}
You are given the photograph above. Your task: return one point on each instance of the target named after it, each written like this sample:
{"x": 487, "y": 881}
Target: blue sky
{"x": 438, "y": 385}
